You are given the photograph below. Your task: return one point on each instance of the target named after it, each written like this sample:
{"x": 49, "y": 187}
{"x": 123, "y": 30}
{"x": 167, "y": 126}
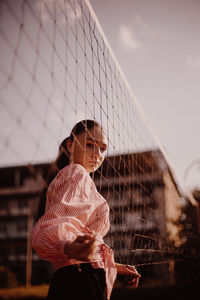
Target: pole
{"x": 29, "y": 247}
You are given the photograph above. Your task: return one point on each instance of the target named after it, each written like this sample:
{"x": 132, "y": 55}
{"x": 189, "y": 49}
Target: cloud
{"x": 193, "y": 62}
{"x": 134, "y": 34}
{"x": 127, "y": 38}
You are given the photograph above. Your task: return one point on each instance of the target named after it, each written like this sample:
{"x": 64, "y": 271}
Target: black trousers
{"x": 81, "y": 282}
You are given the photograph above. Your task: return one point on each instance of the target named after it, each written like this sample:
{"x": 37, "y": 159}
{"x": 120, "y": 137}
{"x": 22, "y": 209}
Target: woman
{"x": 70, "y": 232}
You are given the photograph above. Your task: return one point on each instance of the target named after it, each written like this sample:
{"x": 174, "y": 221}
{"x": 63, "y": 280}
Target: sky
{"x": 157, "y": 45}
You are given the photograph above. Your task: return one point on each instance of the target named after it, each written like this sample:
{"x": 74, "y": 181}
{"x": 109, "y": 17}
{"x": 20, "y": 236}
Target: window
{"x": 22, "y": 226}
{"x": 3, "y": 228}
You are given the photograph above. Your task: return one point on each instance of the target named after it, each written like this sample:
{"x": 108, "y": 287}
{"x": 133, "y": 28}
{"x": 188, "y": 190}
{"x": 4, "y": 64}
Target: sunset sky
{"x": 157, "y": 45}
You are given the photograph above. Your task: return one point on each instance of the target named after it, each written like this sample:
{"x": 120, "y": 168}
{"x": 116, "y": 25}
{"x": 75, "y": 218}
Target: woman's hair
{"x": 62, "y": 160}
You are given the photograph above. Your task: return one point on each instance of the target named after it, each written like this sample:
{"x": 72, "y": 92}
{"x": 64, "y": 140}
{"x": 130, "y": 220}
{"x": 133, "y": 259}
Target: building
{"x": 144, "y": 202}
{"x": 145, "y": 206}
{"x": 20, "y": 188}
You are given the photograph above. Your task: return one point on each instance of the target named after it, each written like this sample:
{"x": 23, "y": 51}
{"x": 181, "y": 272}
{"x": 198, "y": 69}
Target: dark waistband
{"x": 77, "y": 267}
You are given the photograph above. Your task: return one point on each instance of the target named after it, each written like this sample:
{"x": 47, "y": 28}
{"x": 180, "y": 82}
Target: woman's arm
{"x": 130, "y": 272}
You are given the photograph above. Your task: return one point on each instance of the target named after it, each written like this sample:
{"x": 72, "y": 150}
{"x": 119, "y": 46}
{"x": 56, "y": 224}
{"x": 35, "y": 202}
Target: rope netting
{"x": 57, "y": 68}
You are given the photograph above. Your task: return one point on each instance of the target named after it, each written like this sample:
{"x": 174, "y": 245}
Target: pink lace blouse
{"x": 74, "y": 207}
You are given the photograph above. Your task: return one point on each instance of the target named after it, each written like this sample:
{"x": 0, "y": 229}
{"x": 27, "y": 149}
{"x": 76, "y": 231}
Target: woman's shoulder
{"x": 73, "y": 168}
{"x": 69, "y": 176}
{"x": 73, "y": 172}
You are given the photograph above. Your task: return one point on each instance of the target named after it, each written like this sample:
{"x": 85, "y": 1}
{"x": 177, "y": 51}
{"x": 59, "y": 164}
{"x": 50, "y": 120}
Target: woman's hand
{"x": 82, "y": 248}
{"x": 131, "y": 273}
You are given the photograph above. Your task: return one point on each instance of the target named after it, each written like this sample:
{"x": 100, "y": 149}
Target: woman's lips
{"x": 94, "y": 162}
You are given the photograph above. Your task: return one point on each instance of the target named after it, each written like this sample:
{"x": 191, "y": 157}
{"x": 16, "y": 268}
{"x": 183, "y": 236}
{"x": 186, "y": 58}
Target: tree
{"x": 188, "y": 262}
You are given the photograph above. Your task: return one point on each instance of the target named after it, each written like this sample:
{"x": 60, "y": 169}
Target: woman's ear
{"x": 69, "y": 145}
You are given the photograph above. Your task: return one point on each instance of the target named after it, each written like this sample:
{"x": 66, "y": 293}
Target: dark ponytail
{"x": 62, "y": 160}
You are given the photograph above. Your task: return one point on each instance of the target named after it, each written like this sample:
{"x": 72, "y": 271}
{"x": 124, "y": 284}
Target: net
{"x": 57, "y": 68}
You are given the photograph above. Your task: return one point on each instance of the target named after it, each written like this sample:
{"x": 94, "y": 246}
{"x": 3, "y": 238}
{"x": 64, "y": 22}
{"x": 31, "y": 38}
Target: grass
{"x": 32, "y": 292}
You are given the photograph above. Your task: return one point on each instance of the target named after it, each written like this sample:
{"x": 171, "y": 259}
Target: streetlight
{"x": 190, "y": 166}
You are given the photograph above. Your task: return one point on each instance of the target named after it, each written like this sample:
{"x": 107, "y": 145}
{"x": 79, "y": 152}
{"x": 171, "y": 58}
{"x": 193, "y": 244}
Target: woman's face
{"x": 89, "y": 148}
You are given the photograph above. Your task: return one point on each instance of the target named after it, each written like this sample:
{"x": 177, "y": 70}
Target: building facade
{"x": 145, "y": 206}
{"x": 20, "y": 189}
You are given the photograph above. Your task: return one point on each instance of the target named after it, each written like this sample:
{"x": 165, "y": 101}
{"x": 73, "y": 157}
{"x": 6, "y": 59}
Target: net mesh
{"x": 56, "y": 68}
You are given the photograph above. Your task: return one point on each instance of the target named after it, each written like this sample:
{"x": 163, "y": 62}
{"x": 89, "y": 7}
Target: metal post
{"x": 29, "y": 247}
